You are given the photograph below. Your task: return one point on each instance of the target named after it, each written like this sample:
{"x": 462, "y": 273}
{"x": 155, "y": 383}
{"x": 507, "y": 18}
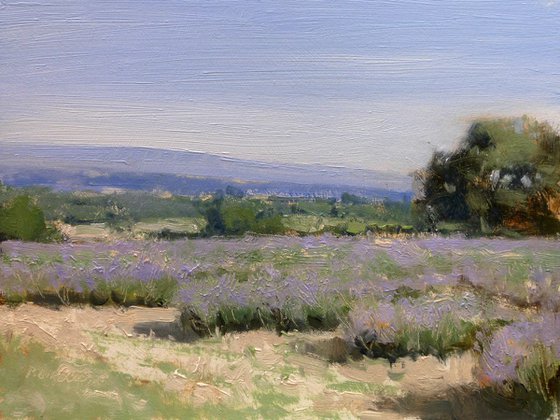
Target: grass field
{"x": 342, "y": 302}
{"x": 301, "y": 224}
{"x": 186, "y": 225}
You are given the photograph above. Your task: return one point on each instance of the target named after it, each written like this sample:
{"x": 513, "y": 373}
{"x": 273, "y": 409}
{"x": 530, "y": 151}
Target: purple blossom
{"x": 511, "y": 346}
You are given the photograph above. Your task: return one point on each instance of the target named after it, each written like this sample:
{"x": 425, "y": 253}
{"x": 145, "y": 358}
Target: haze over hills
{"x": 185, "y": 172}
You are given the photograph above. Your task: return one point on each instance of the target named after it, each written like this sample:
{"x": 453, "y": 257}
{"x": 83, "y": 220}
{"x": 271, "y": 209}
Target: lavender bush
{"x": 297, "y": 281}
{"x": 527, "y": 355}
{"x": 390, "y": 297}
{"x": 434, "y": 324}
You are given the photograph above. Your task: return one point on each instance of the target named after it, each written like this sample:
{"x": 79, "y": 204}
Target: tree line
{"x": 502, "y": 179}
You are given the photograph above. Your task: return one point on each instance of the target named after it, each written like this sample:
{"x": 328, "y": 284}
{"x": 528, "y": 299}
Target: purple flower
{"x": 511, "y": 346}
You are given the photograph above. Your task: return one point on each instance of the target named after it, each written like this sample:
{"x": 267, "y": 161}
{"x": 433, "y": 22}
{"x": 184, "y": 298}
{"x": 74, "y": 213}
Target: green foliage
{"x": 539, "y": 373}
{"x": 503, "y": 176}
{"x": 29, "y": 374}
{"x": 236, "y": 216}
{"x": 117, "y": 209}
{"x": 243, "y": 318}
{"x": 22, "y": 219}
{"x": 234, "y": 192}
{"x": 160, "y": 292}
{"x": 215, "y": 223}
{"x": 348, "y": 198}
{"x": 225, "y": 213}
{"x": 239, "y": 217}
{"x": 448, "y": 336}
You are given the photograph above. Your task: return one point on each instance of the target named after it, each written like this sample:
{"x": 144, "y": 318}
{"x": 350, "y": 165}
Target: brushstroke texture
{"x": 353, "y": 84}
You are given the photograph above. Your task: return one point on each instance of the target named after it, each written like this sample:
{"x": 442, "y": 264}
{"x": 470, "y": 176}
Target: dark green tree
{"x": 212, "y": 211}
{"x": 347, "y": 198}
{"x": 22, "y": 219}
{"x": 504, "y": 176}
{"x": 236, "y": 216}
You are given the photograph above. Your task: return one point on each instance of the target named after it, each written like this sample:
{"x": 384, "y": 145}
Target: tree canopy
{"x": 236, "y": 216}
{"x": 22, "y": 219}
{"x": 504, "y": 176}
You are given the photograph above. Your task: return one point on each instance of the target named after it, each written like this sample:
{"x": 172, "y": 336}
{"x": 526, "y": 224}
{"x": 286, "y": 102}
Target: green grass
{"x": 166, "y": 367}
{"x": 36, "y": 383}
{"x": 272, "y": 405}
{"x": 383, "y": 265}
{"x": 538, "y": 373}
{"x": 364, "y": 388}
{"x": 93, "y": 229}
{"x": 396, "y": 376}
{"x": 441, "y": 264}
{"x": 449, "y": 336}
{"x": 189, "y": 225}
{"x": 304, "y": 223}
{"x": 355, "y": 227}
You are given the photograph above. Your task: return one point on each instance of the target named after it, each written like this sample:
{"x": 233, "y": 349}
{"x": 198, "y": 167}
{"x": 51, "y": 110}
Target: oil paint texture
{"x": 288, "y": 209}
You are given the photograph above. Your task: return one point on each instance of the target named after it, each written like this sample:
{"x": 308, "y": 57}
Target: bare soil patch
{"x": 309, "y": 370}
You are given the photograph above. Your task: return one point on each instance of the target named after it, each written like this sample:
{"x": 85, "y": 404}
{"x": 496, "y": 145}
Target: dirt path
{"x": 234, "y": 368}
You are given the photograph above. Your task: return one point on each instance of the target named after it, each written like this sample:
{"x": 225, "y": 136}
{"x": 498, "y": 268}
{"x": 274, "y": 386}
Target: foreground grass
{"x": 116, "y": 367}
{"x": 35, "y": 383}
{"x": 146, "y": 378}
{"x": 389, "y": 299}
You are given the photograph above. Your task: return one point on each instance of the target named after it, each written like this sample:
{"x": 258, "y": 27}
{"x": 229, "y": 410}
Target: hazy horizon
{"x": 368, "y": 85}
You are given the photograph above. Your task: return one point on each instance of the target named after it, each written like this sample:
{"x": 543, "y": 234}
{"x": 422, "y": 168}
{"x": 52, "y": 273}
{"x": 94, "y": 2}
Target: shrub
{"x": 22, "y": 219}
{"x": 526, "y": 355}
{"x": 424, "y": 326}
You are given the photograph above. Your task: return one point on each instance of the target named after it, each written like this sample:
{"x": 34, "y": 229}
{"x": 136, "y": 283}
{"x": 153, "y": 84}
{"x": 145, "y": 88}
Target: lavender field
{"x": 385, "y": 298}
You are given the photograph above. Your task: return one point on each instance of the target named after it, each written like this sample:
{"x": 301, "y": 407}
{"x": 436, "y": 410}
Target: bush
{"x": 414, "y": 326}
{"x": 526, "y": 355}
{"x": 235, "y": 217}
{"x": 22, "y": 219}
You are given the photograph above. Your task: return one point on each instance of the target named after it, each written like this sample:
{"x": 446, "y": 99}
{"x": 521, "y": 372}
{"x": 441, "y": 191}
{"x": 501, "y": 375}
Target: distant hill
{"x": 180, "y": 172}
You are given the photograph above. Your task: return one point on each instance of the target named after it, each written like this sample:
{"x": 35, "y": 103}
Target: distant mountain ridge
{"x": 184, "y": 172}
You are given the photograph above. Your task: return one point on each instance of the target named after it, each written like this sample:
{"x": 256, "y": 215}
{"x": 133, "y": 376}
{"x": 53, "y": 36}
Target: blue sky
{"x": 362, "y": 84}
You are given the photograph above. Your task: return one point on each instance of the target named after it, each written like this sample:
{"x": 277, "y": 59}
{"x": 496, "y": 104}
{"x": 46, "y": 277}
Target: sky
{"x": 373, "y": 85}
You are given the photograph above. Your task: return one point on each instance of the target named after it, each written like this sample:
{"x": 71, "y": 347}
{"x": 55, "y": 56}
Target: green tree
{"x": 503, "y": 176}
{"x": 347, "y": 198}
{"x": 22, "y": 219}
{"x": 237, "y": 216}
{"x": 212, "y": 211}
{"x": 241, "y": 216}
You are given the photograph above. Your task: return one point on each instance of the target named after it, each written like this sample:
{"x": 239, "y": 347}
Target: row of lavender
{"x": 392, "y": 298}
{"x": 524, "y": 272}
